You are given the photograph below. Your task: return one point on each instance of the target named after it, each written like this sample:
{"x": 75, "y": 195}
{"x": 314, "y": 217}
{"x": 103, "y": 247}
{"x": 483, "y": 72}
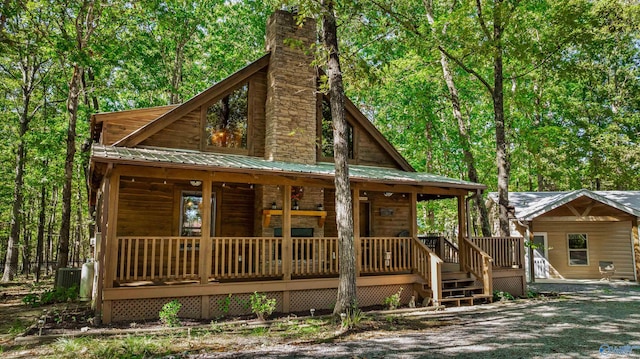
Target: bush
{"x": 56, "y": 295}
{"x": 502, "y": 296}
{"x": 393, "y": 301}
{"x": 261, "y": 306}
{"x": 169, "y": 313}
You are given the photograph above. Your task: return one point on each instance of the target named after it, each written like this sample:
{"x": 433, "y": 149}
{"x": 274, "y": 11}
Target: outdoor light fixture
{"x": 195, "y": 183}
{"x": 388, "y": 194}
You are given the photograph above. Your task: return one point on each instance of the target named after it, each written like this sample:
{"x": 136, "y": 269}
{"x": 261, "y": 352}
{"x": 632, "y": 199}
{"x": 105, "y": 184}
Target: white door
{"x": 540, "y": 256}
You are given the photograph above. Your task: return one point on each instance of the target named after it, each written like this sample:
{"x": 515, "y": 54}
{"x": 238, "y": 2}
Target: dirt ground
{"x": 585, "y": 320}
{"x": 571, "y": 321}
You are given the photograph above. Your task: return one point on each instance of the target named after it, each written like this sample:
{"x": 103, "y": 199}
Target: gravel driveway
{"x": 592, "y": 319}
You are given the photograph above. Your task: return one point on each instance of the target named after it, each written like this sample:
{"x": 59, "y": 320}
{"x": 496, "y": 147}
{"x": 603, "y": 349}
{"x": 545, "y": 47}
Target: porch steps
{"x": 460, "y": 288}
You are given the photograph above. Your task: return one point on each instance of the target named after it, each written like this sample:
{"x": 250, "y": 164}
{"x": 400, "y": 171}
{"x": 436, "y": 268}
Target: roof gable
{"x": 203, "y": 97}
{"x": 530, "y": 205}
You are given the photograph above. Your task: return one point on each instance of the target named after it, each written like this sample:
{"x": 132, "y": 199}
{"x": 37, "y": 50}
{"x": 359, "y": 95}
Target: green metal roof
{"x": 229, "y": 162}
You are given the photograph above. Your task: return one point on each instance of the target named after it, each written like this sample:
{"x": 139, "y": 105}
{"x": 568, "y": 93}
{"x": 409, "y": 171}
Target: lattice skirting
{"x": 149, "y": 309}
{"x": 239, "y": 304}
{"x": 513, "y": 285}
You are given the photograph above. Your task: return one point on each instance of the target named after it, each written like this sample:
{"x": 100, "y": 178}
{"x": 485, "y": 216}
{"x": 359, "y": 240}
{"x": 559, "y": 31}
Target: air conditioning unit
{"x": 68, "y": 277}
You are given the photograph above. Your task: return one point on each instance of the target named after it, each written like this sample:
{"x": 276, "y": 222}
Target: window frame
{"x": 570, "y": 250}
{"x": 204, "y": 143}
{"x": 354, "y": 133}
{"x": 212, "y": 222}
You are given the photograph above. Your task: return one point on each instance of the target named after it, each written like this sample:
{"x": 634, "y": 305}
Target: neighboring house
{"x": 233, "y": 192}
{"x": 578, "y": 234}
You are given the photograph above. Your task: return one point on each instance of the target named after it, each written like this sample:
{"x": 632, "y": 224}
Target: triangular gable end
{"x": 571, "y": 196}
{"x": 200, "y": 99}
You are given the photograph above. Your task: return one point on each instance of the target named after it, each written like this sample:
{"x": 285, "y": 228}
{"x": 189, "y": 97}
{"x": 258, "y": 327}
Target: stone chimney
{"x": 291, "y": 90}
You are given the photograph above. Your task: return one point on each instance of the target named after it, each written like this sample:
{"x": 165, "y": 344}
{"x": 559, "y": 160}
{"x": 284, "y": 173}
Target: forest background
{"x": 440, "y": 79}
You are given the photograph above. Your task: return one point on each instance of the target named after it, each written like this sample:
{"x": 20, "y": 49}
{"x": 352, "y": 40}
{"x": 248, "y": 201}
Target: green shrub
{"x": 502, "y": 296}
{"x": 56, "y": 295}
{"x": 393, "y": 301}
{"x": 169, "y": 313}
{"x": 261, "y": 306}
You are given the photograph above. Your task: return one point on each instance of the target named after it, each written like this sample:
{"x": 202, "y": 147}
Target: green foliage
{"x": 56, "y": 295}
{"x": 261, "y": 306}
{"x": 393, "y": 301}
{"x": 169, "y": 313}
{"x": 532, "y": 294}
{"x": 224, "y": 304}
{"x": 351, "y": 318}
{"x": 502, "y": 296}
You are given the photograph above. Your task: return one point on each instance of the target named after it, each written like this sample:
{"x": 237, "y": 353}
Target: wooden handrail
{"x": 479, "y": 263}
{"x": 428, "y": 265}
{"x": 506, "y": 252}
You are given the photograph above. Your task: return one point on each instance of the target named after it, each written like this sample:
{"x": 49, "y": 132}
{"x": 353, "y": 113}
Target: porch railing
{"x": 428, "y": 266}
{"x": 245, "y": 257}
{"x": 442, "y": 247}
{"x": 314, "y": 256}
{"x": 385, "y": 254}
{"x": 157, "y": 258}
{"x": 478, "y": 262}
{"x": 506, "y": 252}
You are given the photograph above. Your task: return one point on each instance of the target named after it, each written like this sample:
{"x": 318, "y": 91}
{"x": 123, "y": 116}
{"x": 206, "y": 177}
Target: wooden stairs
{"x": 461, "y": 288}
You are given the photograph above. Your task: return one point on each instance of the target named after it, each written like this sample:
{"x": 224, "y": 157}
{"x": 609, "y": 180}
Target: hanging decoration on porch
{"x": 296, "y": 196}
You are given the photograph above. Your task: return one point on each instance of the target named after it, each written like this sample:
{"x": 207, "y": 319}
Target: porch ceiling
{"x": 171, "y": 158}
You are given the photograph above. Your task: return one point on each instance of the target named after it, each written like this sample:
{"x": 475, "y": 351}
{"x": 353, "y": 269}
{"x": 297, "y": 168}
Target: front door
{"x": 540, "y": 256}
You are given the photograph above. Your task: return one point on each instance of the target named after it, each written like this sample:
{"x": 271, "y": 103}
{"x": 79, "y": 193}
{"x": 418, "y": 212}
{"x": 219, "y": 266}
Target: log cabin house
{"x": 232, "y": 192}
{"x": 579, "y": 234}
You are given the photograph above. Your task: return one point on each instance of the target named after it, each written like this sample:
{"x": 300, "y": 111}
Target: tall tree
{"x": 26, "y": 69}
{"x": 346, "y": 299}
{"x": 85, "y": 18}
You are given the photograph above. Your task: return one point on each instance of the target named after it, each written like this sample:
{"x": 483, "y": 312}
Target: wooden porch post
{"x": 413, "y": 220}
{"x": 287, "y": 254}
{"x": 111, "y": 244}
{"x": 356, "y": 227}
{"x": 204, "y": 269}
{"x": 205, "y": 257}
{"x": 462, "y": 230}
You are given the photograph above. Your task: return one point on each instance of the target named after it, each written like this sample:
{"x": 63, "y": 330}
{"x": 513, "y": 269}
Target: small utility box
{"x": 68, "y": 277}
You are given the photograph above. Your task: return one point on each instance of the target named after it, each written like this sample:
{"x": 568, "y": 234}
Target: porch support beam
{"x": 287, "y": 250}
{"x": 413, "y": 215}
{"x": 355, "y": 195}
{"x": 399, "y": 188}
{"x": 462, "y": 230}
{"x": 111, "y": 244}
{"x": 204, "y": 269}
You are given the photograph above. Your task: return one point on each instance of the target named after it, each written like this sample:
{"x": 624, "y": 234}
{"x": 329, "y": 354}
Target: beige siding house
{"x": 580, "y": 234}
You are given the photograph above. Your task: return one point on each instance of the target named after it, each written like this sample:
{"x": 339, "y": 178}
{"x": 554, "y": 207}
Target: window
{"x": 191, "y": 214}
{"x": 226, "y": 121}
{"x": 578, "y": 251}
{"x": 327, "y": 132}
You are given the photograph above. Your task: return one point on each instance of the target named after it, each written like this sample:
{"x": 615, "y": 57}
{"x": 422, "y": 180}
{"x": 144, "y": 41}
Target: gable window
{"x": 227, "y": 121}
{"x": 578, "y": 249}
{"x": 326, "y": 147}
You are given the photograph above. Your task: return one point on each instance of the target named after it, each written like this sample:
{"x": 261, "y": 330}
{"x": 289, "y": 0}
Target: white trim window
{"x": 578, "y": 250}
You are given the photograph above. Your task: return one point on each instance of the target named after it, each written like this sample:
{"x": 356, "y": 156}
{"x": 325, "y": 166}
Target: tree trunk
{"x": 502, "y": 155}
{"x": 11, "y": 262}
{"x": 346, "y": 299}
{"x": 41, "y": 224}
{"x": 52, "y": 219}
{"x": 469, "y": 159}
{"x": 72, "y": 107}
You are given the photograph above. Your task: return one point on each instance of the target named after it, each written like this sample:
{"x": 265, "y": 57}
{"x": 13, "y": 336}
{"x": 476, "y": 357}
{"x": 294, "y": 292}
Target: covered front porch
{"x": 202, "y": 234}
